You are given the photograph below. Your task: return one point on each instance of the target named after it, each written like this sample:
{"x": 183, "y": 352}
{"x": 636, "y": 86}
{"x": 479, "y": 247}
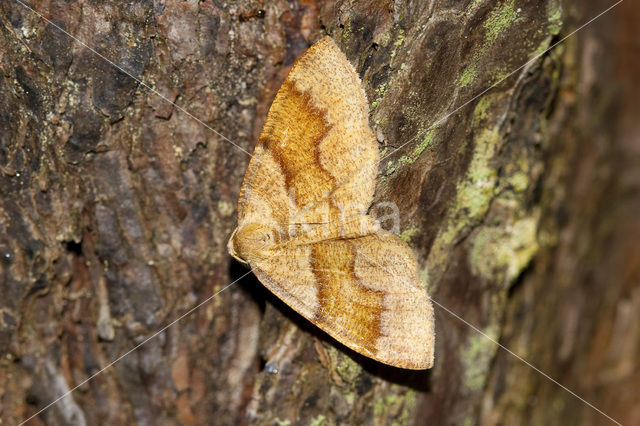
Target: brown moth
{"x": 303, "y": 226}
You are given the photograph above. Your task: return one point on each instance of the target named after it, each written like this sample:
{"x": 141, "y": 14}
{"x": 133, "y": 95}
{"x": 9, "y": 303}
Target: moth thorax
{"x": 250, "y": 241}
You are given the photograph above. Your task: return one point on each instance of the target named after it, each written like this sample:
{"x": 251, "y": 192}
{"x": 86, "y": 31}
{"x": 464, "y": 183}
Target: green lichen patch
{"x": 398, "y": 406}
{"x": 496, "y": 23}
{"x": 318, "y": 421}
{"x": 347, "y": 30}
{"x": 225, "y": 208}
{"x": 477, "y": 356}
{"x": 345, "y": 367}
{"x": 426, "y": 141}
{"x": 399, "y": 41}
{"x": 380, "y": 92}
{"x": 423, "y": 274}
{"x": 385, "y": 38}
{"x": 542, "y": 47}
{"x": 468, "y": 75}
{"x": 474, "y": 195}
{"x": 408, "y": 233}
{"x": 391, "y": 168}
{"x": 555, "y": 17}
{"x": 500, "y": 73}
{"x": 516, "y": 175}
{"x": 506, "y": 249}
{"x": 480, "y": 111}
{"x": 384, "y": 87}
{"x": 415, "y": 154}
{"x": 476, "y": 190}
{"x": 499, "y": 20}
{"x": 519, "y": 181}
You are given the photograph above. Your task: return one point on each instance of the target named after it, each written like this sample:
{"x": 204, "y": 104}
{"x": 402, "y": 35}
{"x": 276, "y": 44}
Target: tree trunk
{"x": 516, "y": 181}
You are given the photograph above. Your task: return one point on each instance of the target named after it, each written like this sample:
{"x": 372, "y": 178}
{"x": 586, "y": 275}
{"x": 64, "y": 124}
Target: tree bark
{"x": 516, "y": 181}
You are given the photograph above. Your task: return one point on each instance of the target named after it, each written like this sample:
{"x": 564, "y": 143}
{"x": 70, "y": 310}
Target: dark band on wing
{"x": 342, "y": 298}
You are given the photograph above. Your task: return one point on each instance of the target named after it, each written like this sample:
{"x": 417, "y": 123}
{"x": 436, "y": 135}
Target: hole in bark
{"x": 31, "y": 399}
{"x": 73, "y": 247}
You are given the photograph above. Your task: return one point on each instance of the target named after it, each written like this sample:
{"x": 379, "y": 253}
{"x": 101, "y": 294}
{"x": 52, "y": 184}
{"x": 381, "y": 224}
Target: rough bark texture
{"x": 116, "y": 206}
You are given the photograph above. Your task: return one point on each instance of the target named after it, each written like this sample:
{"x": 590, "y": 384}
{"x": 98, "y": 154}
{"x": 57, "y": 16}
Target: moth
{"x": 303, "y": 225}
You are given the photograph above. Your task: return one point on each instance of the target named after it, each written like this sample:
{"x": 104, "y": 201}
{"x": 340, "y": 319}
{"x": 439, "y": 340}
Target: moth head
{"x": 250, "y": 242}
